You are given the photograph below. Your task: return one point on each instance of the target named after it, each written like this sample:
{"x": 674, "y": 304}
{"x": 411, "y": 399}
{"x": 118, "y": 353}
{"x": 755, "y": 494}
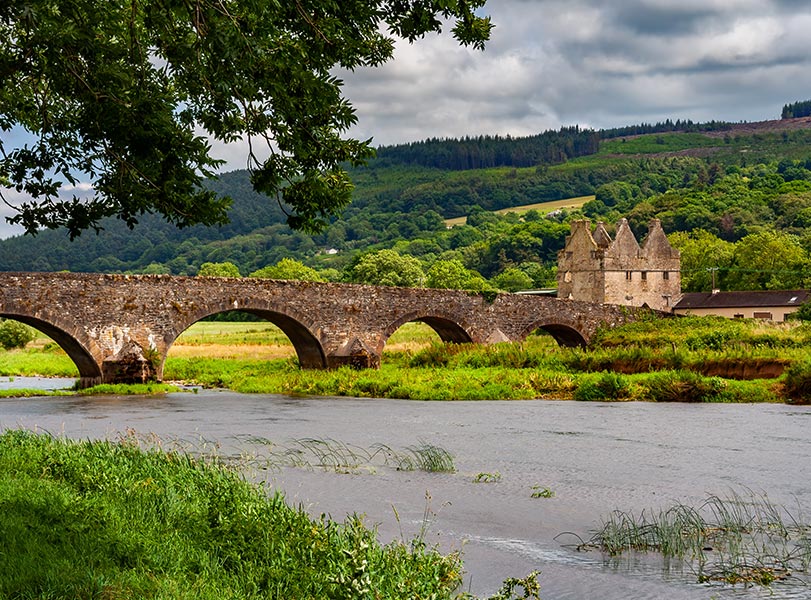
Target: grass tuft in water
{"x": 427, "y": 457}
{"x": 734, "y": 539}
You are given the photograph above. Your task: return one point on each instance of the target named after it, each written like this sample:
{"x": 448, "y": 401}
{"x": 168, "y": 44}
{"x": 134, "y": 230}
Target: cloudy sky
{"x": 554, "y": 63}
{"x": 593, "y": 63}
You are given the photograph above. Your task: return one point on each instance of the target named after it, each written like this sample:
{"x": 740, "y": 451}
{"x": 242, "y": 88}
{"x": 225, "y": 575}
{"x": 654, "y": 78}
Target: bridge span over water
{"x": 119, "y": 328}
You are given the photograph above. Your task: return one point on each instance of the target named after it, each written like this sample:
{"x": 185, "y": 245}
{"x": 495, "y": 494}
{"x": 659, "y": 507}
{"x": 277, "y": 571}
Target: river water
{"x": 594, "y": 457}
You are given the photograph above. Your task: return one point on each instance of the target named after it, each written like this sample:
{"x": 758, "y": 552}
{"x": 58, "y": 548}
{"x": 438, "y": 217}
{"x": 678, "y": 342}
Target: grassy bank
{"x": 112, "y": 520}
{"x": 690, "y": 359}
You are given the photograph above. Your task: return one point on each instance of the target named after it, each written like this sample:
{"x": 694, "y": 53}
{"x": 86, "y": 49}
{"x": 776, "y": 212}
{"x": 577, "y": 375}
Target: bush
{"x": 609, "y": 386}
{"x": 14, "y": 334}
{"x": 797, "y": 382}
{"x": 685, "y": 386}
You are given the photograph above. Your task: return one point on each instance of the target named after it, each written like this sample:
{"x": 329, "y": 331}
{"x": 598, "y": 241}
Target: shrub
{"x": 797, "y": 382}
{"x": 14, "y": 334}
{"x": 685, "y": 386}
{"x": 609, "y": 386}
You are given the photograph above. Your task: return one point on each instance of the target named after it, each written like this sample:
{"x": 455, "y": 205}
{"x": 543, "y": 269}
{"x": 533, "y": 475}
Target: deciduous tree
{"x": 387, "y": 267}
{"x": 128, "y": 94}
{"x": 287, "y": 268}
{"x": 220, "y": 269}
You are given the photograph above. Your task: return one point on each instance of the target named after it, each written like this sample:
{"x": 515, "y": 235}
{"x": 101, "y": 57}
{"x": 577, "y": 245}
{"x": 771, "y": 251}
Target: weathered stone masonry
{"x": 594, "y": 268}
{"x": 118, "y": 328}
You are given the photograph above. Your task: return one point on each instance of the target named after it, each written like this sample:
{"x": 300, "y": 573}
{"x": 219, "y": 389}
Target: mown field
{"x": 542, "y": 207}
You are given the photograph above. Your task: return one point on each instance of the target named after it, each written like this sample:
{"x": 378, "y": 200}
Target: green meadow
{"x": 691, "y": 359}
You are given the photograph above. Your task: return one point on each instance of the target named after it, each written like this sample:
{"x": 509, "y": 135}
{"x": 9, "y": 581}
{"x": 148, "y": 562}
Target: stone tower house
{"x": 594, "y": 268}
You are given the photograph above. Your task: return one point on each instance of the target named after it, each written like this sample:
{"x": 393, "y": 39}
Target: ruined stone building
{"x": 594, "y": 268}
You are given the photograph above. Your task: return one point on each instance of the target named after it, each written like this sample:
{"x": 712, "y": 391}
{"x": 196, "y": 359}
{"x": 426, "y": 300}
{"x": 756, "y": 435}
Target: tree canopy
{"x": 219, "y": 269}
{"x": 287, "y": 268}
{"x": 127, "y": 95}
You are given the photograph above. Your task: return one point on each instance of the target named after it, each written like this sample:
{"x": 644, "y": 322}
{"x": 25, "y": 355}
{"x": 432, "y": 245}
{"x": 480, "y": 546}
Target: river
{"x": 593, "y": 457}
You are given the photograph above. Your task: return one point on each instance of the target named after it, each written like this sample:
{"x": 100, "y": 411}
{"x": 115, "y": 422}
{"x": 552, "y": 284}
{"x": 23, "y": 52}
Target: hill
{"x": 402, "y": 199}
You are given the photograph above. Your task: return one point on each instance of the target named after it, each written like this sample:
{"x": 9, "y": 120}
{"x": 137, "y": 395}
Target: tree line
{"x": 483, "y": 152}
{"x": 666, "y": 126}
{"x": 796, "y": 110}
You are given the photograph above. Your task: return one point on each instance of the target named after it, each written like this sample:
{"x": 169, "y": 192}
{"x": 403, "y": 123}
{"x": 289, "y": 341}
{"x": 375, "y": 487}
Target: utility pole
{"x": 713, "y": 270}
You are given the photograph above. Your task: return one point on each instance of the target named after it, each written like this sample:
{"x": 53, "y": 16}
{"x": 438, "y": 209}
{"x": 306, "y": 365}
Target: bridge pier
{"x": 355, "y": 354}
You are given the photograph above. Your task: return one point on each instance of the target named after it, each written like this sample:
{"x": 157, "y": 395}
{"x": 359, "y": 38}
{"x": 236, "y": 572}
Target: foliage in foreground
{"x": 101, "y": 519}
{"x": 186, "y": 74}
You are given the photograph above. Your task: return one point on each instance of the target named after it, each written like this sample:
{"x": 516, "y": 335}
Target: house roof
{"x": 743, "y": 299}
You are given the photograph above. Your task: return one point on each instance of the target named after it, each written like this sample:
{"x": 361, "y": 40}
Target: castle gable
{"x": 656, "y": 245}
{"x": 580, "y": 242}
{"x": 601, "y": 237}
{"x": 624, "y": 247}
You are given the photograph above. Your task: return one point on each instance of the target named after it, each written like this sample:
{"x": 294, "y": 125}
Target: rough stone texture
{"x": 594, "y": 268}
{"x": 118, "y": 328}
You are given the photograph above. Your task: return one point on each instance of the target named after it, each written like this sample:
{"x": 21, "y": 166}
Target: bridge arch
{"x": 77, "y": 345}
{"x": 565, "y": 334}
{"x": 308, "y": 347}
{"x": 446, "y": 327}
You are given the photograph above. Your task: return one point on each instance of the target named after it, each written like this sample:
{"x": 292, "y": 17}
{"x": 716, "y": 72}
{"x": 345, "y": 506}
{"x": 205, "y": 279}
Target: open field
{"x": 264, "y": 341}
{"x": 543, "y": 207}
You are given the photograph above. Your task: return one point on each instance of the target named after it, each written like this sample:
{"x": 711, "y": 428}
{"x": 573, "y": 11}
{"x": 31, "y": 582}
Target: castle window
{"x": 665, "y": 274}
{"x": 628, "y": 275}
{"x": 644, "y": 275}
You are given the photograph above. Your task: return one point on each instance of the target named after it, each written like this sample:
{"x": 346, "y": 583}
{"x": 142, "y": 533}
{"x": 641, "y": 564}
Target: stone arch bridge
{"x": 119, "y": 328}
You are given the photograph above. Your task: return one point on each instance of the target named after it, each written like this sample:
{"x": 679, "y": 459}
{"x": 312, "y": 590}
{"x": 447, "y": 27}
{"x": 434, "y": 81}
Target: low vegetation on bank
{"x": 692, "y": 359}
{"x": 202, "y": 531}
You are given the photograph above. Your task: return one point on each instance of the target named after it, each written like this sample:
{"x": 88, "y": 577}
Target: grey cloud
{"x": 643, "y": 19}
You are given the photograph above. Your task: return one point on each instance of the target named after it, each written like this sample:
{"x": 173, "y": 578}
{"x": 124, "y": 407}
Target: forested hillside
{"x": 713, "y": 185}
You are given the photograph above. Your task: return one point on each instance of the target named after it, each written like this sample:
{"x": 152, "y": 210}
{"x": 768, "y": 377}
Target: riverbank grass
{"x": 86, "y": 520}
{"x": 691, "y": 359}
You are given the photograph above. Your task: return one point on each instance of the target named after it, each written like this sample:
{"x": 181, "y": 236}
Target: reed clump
{"x": 734, "y": 539}
{"x": 330, "y": 454}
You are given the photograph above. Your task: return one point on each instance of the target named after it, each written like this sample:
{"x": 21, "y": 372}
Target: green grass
{"x": 232, "y": 333}
{"x": 112, "y": 520}
{"x": 690, "y": 359}
{"x": 37, "y": 362}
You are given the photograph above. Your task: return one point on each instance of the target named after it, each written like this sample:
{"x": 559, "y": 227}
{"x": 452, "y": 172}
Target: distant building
{"x": 594, "y": 268}
{"x": 772, "y": 305}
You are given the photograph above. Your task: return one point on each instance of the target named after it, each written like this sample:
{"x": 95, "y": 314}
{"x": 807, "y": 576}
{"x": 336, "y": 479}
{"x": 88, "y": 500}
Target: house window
{"x": 762, "y": 315}
{"x": 665, "y": 274}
